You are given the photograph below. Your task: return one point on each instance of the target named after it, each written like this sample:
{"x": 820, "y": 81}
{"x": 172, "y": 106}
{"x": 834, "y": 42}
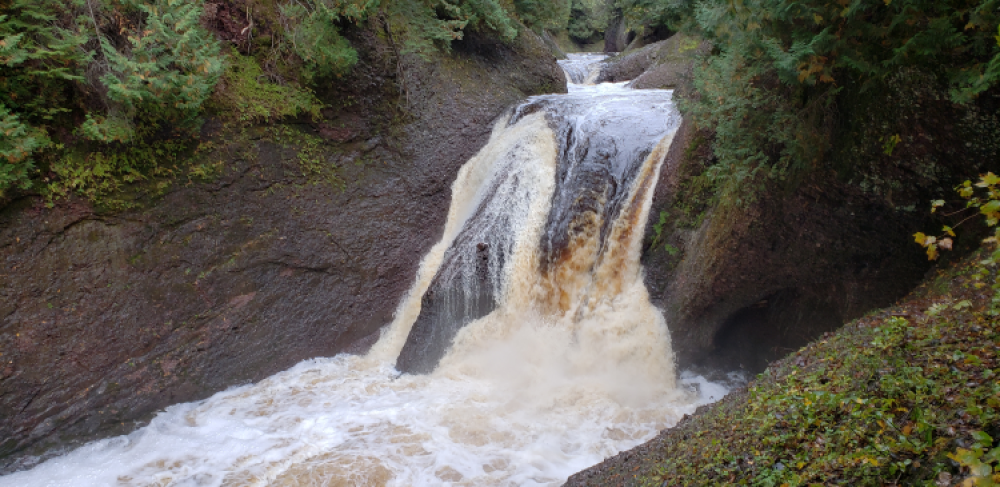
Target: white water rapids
{"x": 573, "y": 365}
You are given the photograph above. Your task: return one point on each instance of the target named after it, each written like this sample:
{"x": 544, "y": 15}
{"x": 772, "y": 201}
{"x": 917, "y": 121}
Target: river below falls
{"x": 571, "y": 367}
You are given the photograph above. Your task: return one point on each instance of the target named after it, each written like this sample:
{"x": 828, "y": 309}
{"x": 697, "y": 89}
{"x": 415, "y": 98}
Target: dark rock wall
{"x": 661, "y": 65}
{"x": 755, "y": 282}
{"x": 747, "y": 282}
{"x": 106, "y": 318}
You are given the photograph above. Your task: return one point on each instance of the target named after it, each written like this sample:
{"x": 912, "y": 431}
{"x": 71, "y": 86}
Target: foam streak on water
{"x": 582, "y": 68}
{"x": 525, "y": 395}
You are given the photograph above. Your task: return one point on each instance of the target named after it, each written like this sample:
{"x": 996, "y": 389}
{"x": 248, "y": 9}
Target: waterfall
{"x": 582, "y": 68}
{"x": 526, "y": 350}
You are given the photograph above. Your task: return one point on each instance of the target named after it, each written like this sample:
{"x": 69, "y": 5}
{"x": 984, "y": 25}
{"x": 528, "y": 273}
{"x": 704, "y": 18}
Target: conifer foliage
{"x": 166, "y": 71}
{"x": 771, "y": 90}
{"x": 147, "y": 64}
{"x": 123, "y": 71}
{"x": 37, "y": 60}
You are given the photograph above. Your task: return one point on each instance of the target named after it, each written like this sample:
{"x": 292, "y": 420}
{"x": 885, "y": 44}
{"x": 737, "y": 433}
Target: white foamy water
{"x": 582, "y": 68}
{"x": 573, "y": 365}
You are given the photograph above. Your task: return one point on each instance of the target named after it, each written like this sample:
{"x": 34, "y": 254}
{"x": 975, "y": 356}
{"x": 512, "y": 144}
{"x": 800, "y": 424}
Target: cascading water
{"x": 529, "y": 320}
{"x": 582, "y": 68}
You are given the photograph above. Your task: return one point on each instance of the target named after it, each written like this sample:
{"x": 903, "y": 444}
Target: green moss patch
{"x": 247, "y": 95}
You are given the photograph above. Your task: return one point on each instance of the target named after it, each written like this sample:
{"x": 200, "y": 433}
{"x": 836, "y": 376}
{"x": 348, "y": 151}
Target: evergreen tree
{"x": 167, "y": 72}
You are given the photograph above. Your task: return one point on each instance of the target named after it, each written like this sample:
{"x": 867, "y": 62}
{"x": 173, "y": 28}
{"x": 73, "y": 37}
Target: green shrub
{"x": 127, "y": 74}
{"x": 674, "y": 14}
{"x": 38, "y": 60}
{"x": 316, "y": 36}
{"x": 588, "y": 19}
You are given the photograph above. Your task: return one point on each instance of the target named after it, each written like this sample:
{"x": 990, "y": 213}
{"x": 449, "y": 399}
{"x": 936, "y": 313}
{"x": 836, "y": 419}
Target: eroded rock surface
{"x": 106, "y": 318}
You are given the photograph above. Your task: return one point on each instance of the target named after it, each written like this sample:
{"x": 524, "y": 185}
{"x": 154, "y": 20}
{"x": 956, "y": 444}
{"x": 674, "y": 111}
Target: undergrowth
{"x": 248, "y": 96}
{"x": 904, "y": 396}
{"x": 312, "y": 154}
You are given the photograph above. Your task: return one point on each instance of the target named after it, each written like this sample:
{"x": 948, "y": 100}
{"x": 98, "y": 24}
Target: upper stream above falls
{"x": 526, "y": 350}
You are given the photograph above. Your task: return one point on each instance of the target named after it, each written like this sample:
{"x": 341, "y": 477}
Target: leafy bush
{"x": 128, "y": 73}
{"x": 674, "y": 14}
{"x": 37, "y": 61}
{"x": 117, "y": 64}
{"x": 983, "y": 196}
{"x": 316, "y": 36}
{"x": 19, "y": 142}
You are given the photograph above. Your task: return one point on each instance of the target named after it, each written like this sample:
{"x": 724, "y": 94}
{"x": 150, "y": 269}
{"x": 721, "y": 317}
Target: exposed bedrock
{"x": 744, "y": 284}
{"x": 749, "y": 278}
{"x": 107, "y": 317}
{"x": 664, "y": 64}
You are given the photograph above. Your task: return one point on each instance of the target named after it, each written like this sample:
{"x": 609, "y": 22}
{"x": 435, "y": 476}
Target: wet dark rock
{"x": 663, "y": 64}
{"x": 748, "y": 283}
{"x": 107, "y": 318}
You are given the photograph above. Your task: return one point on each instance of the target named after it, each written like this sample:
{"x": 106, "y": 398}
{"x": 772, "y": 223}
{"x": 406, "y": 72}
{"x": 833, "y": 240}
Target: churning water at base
{"x": 553, "y": 359}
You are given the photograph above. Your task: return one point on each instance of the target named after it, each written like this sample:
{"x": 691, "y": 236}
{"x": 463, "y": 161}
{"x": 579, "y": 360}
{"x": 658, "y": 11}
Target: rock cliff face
{"x": 665, "y": 64}
{"x": 746, "y": 284}
{"x": 107, "y": 317}
{"x": 743, "y": 283}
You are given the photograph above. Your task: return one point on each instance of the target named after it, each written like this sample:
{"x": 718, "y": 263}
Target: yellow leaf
{"x": 818, "y": 19}
{"x": 920, "y": 238}
{"x": 988, "y": 180}
{"x": 970, "y": 26}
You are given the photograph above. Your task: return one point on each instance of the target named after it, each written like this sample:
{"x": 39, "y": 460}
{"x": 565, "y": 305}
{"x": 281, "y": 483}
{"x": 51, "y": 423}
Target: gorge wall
{"x": 746, "y": 278}
{"x": 106, "y": 317}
